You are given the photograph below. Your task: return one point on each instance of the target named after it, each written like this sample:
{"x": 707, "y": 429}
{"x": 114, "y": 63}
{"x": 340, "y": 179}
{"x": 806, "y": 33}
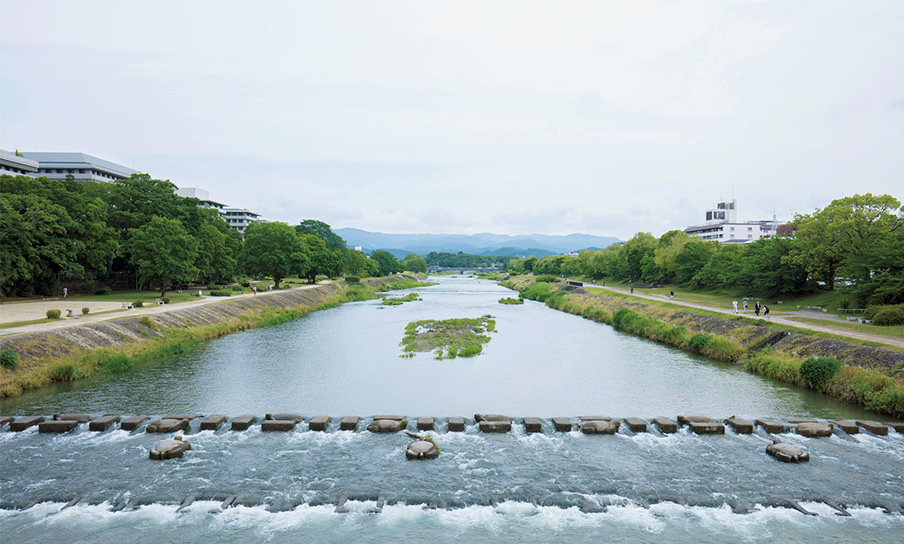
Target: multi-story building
{"x": 203, "y": 196}
{"x": 722, "y": 225}
{"x": 239, "y": 218}
{"x": 16, "y": 165}
{"x": 80, "y": 166}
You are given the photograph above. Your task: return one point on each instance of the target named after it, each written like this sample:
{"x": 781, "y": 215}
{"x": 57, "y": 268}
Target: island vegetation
{"x": 448, "y": 338}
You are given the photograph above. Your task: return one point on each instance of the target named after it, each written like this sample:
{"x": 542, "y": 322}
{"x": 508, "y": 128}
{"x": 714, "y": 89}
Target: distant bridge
{"x": 462, "y": 269}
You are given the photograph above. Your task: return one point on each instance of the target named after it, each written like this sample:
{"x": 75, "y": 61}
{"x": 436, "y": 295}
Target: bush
{"x": 546, "y": 279}
{"x": 220, "y": 293}
{"x": 698, "y": 342}
{"x": 62, "y": 373}
{"x": 165, "y": 300}
{"x": 246, "y": 283}
{"x": 53, "y": 314}
{"x": 237, "y": 288}
{"x": 818, "y": 372}
{"x": 148, "y": 322}
{"x": 85, "y": 310}
{"x": 137, "y": 304}
{"x": 104, "y": 291}
{"x": 888, "y": 315}
{"x": 352, "y": 279}
{"x": 510, "y": 300}
{"x": 9, "y": 358}
{"x": 117, "y": 363}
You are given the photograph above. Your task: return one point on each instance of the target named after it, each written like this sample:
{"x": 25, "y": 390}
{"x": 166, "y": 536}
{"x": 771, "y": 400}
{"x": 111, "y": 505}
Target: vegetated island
{"x": 398, "y": 301}
{"x": 448, "y": 338}
{"x": 510, "y": 300}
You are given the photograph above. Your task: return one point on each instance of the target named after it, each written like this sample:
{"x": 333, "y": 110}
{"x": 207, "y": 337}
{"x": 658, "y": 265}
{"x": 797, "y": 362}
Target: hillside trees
{"x": 414, "y": 263}
{"x": 386, "y": 262}
{"x": 274, "y": 249}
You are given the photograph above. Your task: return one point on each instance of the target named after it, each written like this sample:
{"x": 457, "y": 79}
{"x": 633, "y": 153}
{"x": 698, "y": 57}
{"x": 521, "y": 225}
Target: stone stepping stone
{"x": 600, "y": 426}
{"x": 665, "y": 425}
{"x": 23, "y": 423}
{"x": 702, "y": 425}
{"x": 425, "y": 423}
{"x": 495, "y": 426}
{"x": 102, "y": 423}
{"x": 4, "y": 420}
{"x": 170, "y": 449}
{"x": 284, "y": 417}
{"x": 562, "y": 424}
{"x": 787, "y": 453}
{"x": 168, "y": 426}
{"x": 387, "y": 425}
{"x": 771, "y": 425}
{"x": 349, "y": 423}
{"x": 319, "y": 423}
{"x": 873, "y": 426}
{"x": 846, "y": 426}
{"x": 741, "y": 426}
{"x": 278, "y": 425}
{"x": 636, "y": 424}
{"x": 456, "y": 424}
{"x": 81, "y": 418}
{"x": 57, "y": 426}
{"x": 813, "y": 429}
{"x": 532, "y": 425}
{"x": 899, "y": 427}
{"x": 212, "y": 423}
{"x": 243, "y": 423}
{"x": 132, "y": 423}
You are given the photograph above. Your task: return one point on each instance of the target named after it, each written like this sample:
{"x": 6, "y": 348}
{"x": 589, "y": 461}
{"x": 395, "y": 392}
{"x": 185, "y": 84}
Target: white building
{"x": 202, "y": 195}
{"x": 239, "y": 218}
{"x": 80, "y": 166}
{"x": 14, "y": 165}
{"x": 722, "y": 225}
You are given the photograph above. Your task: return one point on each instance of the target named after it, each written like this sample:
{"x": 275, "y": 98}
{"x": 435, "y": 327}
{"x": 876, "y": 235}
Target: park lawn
{"x": 895, "y": 331}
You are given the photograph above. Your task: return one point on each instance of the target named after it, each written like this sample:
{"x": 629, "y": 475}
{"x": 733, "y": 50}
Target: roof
{"x": 53, "y": 159}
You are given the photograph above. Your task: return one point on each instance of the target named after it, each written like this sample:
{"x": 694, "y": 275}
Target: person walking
{"x": 745, "y": 305}
{"x": 766, "y": 312}
{"x": 756, "y": 309}
{"x": 65, "y": 292}
{"x": 734, "y": 306}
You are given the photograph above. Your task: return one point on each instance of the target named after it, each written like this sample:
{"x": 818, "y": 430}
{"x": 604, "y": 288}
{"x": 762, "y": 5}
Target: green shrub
{"x": 62, "y": 373}
{"x": 697, "y": 342}
{"x": 510, "y": 300}
{"x": 237, "y": 288}
{"x": 352, "y": 279}
{"x": 888, "y": 315}
{"x": 9, "y": 358}
{"x": 246, "y": 283}
{"x": 137, "y": 304}
{"x": 116, "y": 363}
{"x": 546, "y": 279}
{"x": 165, "y": 300}
{"x": 818, "y": 371}
{"x": 220, "y": 293}
{"x": 53, "y": 314}
{"x": 85, "y": 310}
{"x": 104, "y": 291}
{"x": 148, "y": 322}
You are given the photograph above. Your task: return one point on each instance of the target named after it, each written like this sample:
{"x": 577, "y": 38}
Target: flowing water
{"x": 513, "y": 487}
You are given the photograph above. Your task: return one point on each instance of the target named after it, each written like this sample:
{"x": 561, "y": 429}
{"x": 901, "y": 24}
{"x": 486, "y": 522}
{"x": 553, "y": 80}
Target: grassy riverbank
{"x": 157, "y": 337}
{"x": 717, "y": 338}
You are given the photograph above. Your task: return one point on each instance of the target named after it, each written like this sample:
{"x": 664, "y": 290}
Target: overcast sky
{"x": 599, "y": 117}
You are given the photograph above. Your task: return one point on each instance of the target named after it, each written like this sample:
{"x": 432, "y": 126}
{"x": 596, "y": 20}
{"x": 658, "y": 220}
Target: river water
{"x": 514, "y": 487}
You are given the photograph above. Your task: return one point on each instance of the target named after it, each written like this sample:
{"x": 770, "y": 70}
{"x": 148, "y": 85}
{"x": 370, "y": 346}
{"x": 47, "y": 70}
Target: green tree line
{"x": 855, "y": 243}
{"x": 138, "y": 232}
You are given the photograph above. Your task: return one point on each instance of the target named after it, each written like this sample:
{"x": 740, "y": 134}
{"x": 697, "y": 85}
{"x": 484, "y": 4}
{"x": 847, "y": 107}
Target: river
{"x": 515, "y": 487}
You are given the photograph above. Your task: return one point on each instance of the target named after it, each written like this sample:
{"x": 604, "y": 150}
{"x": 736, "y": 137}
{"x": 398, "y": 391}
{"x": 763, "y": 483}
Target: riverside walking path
{"x": 779, "y": 316}
{"x": 11, "y": 312}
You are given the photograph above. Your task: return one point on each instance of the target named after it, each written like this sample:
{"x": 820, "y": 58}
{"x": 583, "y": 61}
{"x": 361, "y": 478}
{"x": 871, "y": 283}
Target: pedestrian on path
{"x": 766, "y": 312}
{"x": 734, "y": 305}
{"x": 745, "y": 305}
{"x": 672, "y": 294}
{"x": 65, "y": 292}
{"x": 756, "y": 309}
{"x": 254, "y": 290}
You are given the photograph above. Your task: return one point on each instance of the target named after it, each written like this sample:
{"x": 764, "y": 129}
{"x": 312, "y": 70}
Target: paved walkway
{"x": 28, "y": 311}
{"x": 784, "y": 318}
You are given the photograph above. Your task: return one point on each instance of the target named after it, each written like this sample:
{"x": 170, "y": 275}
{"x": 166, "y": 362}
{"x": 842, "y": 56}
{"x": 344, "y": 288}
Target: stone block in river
{"x": 813, "y": 429}
{"x": 349, "y": 423}
{"x": 319, "y": 423}
{"x": 456, "y": 424}
{"x": 665, "y": 425}
{"x": 22, "y": 423}
{"x": 422, "y": 449}
{"x": 243, "y": 423}
{"x": 873, "y": 427}
{"x": 687, "y": 420}
{"x": 846, "y": 426}
{"x": 771, "y": 425}
{"x": 278, "y": 424}
{"x": 394, "y": 418}
{"x": 787, "y": 453}
{"x": 425, "y": 423}
{"x": 57, "y": 426}
{"x": 284, "y": 417}
{"x": 212, "y": 423}
{"x": 561, "y": 424}
{"x": 102, "y": 423}
{"x": 702, "y": 425}
{"x": 179, "y": 416}
{"x": 741, "y": 426}
{"x": 797, "y": 420}
{"x": 495, "y": 426}
{"x": 636, "y": 424}
{"x": 81, "y": 418}
{"x": 387, "y": 425}
{"x": 899, "y": 427}
{"x": 4, "y": 420}
{"x": 600, "y": 426}
{"x": 595, "y": 418}
{"x": 532, "y": 425}
{"x": 169, "y": 449}
{"x": 132, "y": 423}
{"x": 168, "y": 426}
{"x": 492, "y": 417}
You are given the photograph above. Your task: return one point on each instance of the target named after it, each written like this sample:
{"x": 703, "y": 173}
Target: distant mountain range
{"x": 538, "y": 245}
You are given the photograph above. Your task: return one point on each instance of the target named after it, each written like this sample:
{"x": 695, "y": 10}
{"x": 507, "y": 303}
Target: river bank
{"x": 80, "y": 351}
{"x": 870, "y": 377}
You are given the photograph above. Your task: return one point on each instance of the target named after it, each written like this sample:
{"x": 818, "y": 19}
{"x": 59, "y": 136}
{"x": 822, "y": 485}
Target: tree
{"x": 387, "y": 263}
{"x": 322, "y": 260}
{"x": 693, "y": 256}
{"x": 628, "y": 262}
{"x": 163, "y": 251}
{"x": 356, "y": 263}
{"x": 318, "y": 228}
{"x": 215, "y": 260}
{"x": 274, "y": 249}
{"x": 414, "y": 263}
